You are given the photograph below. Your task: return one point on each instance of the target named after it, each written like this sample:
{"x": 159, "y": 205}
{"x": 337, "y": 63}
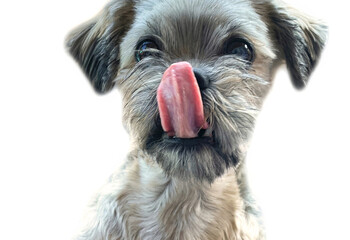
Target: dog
{"x": 193, "y": 75}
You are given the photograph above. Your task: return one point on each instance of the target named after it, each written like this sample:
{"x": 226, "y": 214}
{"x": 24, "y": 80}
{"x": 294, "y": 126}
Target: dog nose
{"x": 202, "y": 78}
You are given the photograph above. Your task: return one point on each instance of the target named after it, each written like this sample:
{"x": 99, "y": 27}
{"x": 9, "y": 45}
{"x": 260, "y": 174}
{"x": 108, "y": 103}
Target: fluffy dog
{"x": 193, "y": 75}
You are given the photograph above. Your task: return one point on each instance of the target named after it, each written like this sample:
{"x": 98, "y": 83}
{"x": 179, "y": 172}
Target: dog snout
{"x": 202, "y": 78}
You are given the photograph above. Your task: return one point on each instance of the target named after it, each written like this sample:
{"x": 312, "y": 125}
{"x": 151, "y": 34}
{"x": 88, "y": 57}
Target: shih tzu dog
{"x": 193, "y": 75}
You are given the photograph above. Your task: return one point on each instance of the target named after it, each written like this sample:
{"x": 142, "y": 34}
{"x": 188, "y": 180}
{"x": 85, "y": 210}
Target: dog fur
{"x": 175, "y": 190}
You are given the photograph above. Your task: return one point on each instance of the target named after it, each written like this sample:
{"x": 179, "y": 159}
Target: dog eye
{"x": 145, "y": 49}
{"x": 240, "y": 48}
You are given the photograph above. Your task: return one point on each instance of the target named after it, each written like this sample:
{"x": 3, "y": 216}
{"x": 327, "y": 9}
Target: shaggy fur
{"x": 179, "y": 188}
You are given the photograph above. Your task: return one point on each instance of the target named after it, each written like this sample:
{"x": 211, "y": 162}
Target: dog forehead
{"x": 189, "y": 20}
{"x": 166, "y": 8}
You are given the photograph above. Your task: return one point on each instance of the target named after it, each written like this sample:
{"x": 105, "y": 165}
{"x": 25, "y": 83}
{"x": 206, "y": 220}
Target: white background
{"x": 59, "y": 141}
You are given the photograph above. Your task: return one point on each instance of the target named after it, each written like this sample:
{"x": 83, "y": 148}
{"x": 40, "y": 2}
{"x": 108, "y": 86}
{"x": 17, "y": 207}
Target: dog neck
{"x": 162, "y": 207}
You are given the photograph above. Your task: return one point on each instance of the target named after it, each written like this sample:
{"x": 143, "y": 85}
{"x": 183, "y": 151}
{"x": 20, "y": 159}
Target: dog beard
{"x": 198, "y": 158}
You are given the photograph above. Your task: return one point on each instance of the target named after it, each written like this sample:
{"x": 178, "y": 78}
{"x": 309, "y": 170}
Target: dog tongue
{"x": 180, "y": 103}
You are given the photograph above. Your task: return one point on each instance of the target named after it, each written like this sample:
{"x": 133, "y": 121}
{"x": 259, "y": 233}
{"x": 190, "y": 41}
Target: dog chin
{"x": 199, "y": 158}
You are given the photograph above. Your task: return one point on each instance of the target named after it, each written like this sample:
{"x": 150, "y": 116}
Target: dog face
{"x": 231, "y": 48}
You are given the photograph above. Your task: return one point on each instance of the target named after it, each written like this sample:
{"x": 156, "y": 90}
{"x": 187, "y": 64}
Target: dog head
{"x": 193, "y": 73}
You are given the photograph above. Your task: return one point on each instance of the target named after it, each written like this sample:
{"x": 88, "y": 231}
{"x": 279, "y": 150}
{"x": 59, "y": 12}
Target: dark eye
{"x": 240, "y": 48}
{"x": 145, "y": 49}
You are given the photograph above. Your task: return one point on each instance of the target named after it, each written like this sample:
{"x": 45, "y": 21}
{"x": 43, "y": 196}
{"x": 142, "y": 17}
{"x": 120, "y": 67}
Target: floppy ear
{"x": 300, "y": 39}
{"x": 95, "y": 44}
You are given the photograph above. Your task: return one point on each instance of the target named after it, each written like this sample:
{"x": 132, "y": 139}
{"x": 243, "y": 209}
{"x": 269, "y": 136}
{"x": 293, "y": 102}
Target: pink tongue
{"x": 180, "y": 103}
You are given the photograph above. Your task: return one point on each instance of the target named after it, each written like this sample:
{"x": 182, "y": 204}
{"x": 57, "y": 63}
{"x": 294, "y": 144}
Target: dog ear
{"x": 95, "y": 44}
{"x": 300, "y": 39}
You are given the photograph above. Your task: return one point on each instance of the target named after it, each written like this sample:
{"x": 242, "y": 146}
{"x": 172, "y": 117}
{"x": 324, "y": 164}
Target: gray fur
{"x": 171, "y": 189}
